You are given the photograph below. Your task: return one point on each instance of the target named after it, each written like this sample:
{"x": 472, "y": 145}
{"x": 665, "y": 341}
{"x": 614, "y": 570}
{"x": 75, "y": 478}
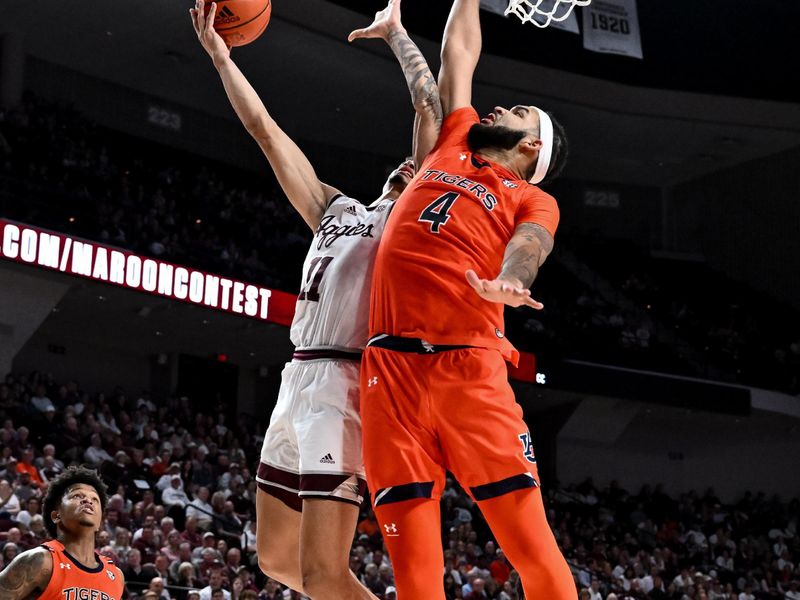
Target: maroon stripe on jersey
{"x": 278, "y": 476}
{"x": 327, "y": 483}
{"x": 290, "y": 499}
{"x": 329, "y": 497}
{"x": 328, "y": 354}
{"x": 321, "y": 483}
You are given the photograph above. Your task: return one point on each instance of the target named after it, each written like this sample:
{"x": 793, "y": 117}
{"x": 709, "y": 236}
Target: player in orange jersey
{"x": 467, "y": 237}
{"x": 67, "y": 567}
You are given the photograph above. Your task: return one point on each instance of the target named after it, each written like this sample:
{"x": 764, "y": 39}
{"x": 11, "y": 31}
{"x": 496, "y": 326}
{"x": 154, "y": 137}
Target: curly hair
{"x": 59, "y": 486}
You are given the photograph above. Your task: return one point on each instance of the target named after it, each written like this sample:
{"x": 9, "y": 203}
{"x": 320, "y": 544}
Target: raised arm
{"x": 421, "y": 83}
{"x": 27, "y": 575}
{"x": 525, "y": 253}
{"x": 297, "y": 177}
{"x": 461, "y": 49}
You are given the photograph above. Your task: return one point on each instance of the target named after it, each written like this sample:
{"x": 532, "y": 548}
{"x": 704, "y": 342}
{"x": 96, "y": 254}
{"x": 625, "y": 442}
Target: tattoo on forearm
{"x": 526, "y": 252}
{"x": 421, "y": 82}
{"x": 23, "y": 576}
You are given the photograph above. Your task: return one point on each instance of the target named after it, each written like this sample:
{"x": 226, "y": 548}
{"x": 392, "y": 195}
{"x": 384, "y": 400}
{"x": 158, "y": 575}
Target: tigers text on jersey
{"x": 333, "y": 305}
{"x": 458, "y": 213}
{"x": 73, "y": 581}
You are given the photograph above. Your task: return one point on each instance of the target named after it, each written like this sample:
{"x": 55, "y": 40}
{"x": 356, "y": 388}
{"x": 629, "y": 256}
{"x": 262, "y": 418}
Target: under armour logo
{"x": 427, "y": 345}
{"x": 111, "y": 576}
{"x": 391, "y": 530}
{"x": 65, "y": 566}
{"x": 462, "y": 156}
{"x": 372, "y": 381}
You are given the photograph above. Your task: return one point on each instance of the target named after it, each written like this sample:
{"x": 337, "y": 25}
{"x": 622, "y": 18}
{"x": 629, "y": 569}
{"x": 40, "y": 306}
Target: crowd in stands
{"x": 740, "y": 335}
{"x": 181, "y": 517}
{"x": 59, "y": 170}
{"x": 62, "y": 171}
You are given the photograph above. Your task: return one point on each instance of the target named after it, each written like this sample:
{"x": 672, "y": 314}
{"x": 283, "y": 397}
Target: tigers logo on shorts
{"x": 527, "y": 447}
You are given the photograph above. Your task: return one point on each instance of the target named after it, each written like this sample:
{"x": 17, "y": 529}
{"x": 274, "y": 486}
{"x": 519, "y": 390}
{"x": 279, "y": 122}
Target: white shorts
{"x": 312, "y": 448}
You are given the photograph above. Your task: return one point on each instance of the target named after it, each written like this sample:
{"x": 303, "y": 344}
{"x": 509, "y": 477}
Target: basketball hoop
{"x": 547, "y": 11}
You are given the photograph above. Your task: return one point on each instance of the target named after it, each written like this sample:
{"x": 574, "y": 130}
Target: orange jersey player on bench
{"x": 67, "y": 567}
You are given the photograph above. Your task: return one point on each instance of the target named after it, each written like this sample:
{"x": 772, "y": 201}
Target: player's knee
{"x": 323, "y": 580}
{"x": 272, "y": 562}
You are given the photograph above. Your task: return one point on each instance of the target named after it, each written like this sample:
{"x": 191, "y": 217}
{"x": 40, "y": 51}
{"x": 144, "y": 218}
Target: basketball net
{"x": 546, "y": 10}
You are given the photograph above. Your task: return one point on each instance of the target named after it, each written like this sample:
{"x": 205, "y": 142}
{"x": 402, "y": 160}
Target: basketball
{"x": 240, "y": 22}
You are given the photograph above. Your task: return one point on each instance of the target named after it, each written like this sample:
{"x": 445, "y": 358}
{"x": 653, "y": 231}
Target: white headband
{"x": 546, "y": 151}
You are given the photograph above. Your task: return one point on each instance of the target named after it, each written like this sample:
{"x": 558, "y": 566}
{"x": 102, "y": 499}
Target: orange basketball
{"x": 239, "y": 22}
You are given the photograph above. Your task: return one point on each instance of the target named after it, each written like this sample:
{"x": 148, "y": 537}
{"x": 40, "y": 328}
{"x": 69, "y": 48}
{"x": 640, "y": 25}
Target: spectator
{"x": 215, "y": 580}
{"x": 191, "y": 533}
{"x": 499, "y": 568}
{"x": 25, "y": 465}
{"x": 121, "y": 544}
{"x": 161, "y": 565}
{"x": 186, "y": 576}
{"x": 201, "y": 510}
{"x": 95, "y": 455}
{"x": 174, "y": 496}
{"x": 40, "y": 401}
{"x": 249, "y": 541}
{"x": 32, "y": 509}
{"x": 147, "y": 544}
{"x": 478, "y": 590}
{"x": 157, "y": 588}
{"x": 137, "y": 575}
{"x": 165, "y": 479}
{"x": 227, "y": 524}
{"x": 9, "y": 503}
{"x": 233, "y": 563}
{"x": 372, "y": 580}
{"x": 25, "y": 489}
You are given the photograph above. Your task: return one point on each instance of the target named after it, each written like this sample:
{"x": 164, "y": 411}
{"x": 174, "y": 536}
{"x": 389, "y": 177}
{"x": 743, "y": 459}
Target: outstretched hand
{"x": 386, "y": 21}
{"x": 204, "y": 28}
{"x": 502, "y": 291}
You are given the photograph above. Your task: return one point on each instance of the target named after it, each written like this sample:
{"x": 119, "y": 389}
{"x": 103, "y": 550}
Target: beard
{"x": 396, "y": 179}
{"x": 493, "y": 137}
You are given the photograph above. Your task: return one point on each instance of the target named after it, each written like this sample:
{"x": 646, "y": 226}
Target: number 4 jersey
{"x": 458, "y": 213}
{"x": 332, "y": 309}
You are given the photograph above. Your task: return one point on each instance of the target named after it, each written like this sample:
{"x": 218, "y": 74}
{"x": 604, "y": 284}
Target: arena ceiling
{"x": 623, "y": 129}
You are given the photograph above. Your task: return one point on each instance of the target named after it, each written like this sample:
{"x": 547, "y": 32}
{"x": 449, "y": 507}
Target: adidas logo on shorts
{"x": 327, "y": 459}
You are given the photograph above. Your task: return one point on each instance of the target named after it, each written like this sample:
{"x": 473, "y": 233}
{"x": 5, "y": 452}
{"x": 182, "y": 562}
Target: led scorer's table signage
{"x": 74, "y": 256}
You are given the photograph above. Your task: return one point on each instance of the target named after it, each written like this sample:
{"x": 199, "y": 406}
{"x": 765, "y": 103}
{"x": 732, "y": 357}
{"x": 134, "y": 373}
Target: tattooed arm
{"x": 525, "y": 253}
{"x": 424, "y": 92}
{"x": 421, "y": 82}
{"x": 27, "y": 576}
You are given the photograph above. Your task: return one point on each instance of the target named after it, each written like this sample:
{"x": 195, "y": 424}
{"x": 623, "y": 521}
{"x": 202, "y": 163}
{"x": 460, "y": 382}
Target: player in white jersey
{"x": 311, "y": 476}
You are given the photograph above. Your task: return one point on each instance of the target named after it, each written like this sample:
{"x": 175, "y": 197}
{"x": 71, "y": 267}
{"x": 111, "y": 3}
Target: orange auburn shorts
{"x": 424, "y": 413}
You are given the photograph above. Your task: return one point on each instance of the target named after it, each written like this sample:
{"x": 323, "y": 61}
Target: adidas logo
{"x": 351, "y": 210}
{"x": 225, "y": 15}
{"x": 327, "y": 459}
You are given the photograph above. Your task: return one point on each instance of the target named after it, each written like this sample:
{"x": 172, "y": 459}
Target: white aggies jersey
{"x": 332, "y": 308}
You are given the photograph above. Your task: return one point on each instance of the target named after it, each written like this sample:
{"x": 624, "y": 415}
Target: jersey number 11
{"x": 316, "y": 269}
